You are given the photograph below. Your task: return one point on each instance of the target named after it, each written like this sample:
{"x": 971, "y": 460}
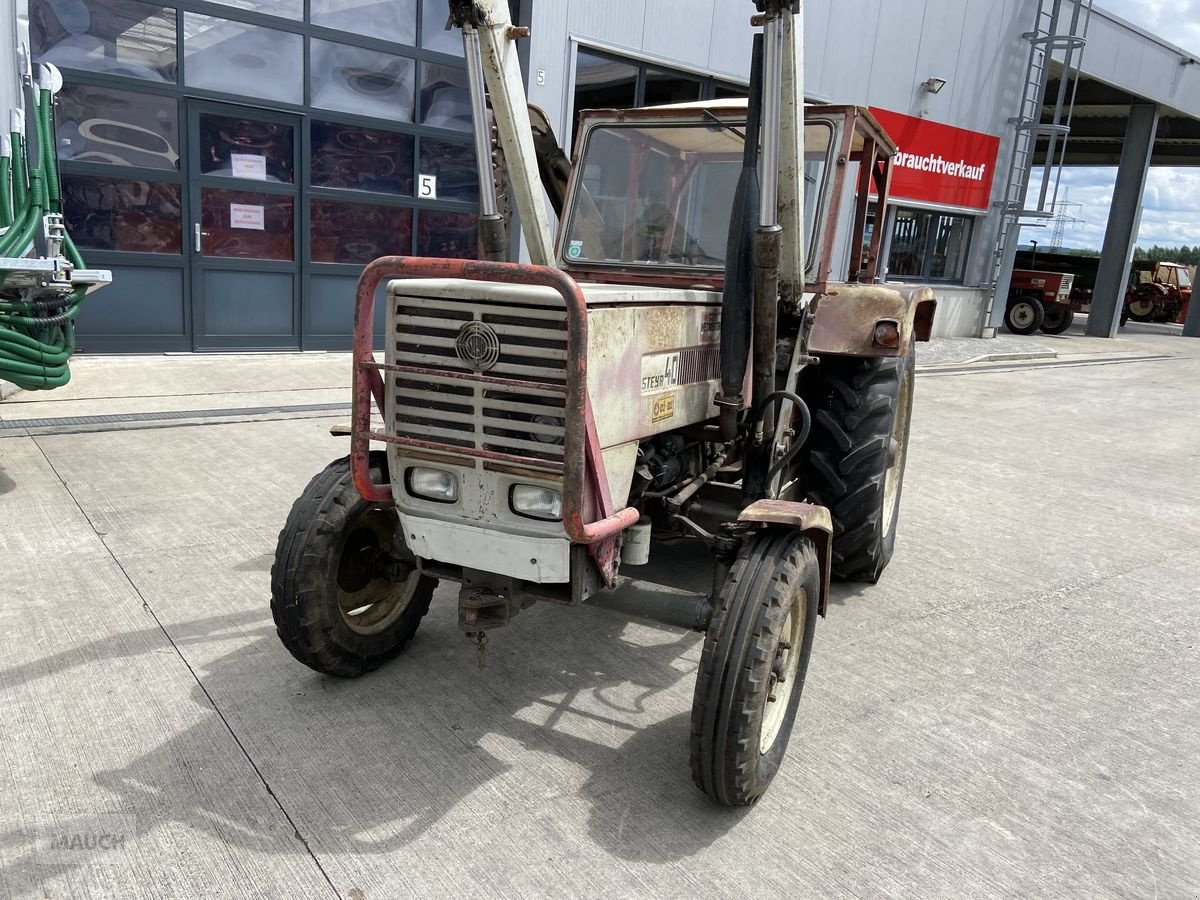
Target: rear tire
{"x": 757, "y": 647}
{"x": 337, "y": 607}
{"x": 1058, "y": 319}
{"x": 857, "y": 451}
{"x": 1024, "y": 315}
{"x": 1143, "y": 307}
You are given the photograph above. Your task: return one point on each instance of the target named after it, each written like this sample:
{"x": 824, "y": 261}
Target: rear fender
{"x": 814, "y": 522}
{"x": 848, "y": 314}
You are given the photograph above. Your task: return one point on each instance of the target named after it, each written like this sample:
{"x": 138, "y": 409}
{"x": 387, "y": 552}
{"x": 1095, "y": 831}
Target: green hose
{"x": 37, "y": 338}
{"x": 6, "y": 212}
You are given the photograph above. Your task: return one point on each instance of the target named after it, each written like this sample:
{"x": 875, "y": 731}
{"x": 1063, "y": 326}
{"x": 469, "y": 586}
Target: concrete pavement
{"x": 1011, "y": 712}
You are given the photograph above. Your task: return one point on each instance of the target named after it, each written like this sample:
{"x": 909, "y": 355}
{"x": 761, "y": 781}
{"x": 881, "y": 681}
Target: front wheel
{"x": 1058, "y": 319}
{"x": 345, "y": 592}
{"x": 1024, "y": 315}
{"x": 753, "y": 666}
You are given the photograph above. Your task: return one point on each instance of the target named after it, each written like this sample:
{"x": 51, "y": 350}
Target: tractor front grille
{"x": 480, "y": 412}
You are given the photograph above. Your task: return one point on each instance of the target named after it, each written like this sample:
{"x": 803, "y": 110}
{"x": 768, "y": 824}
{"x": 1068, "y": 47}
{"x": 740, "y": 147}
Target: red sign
{"x": 939, "y": 163}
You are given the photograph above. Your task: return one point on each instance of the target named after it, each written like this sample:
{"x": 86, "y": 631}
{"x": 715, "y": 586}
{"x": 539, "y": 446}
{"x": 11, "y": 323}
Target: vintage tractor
{"x": 1040, "y": 300}
{"x": 1160, "y": 292}
{"x": 680, "y": 378}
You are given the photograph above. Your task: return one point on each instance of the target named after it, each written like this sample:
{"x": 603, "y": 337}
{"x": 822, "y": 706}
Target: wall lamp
{"x": 934, "y": 85}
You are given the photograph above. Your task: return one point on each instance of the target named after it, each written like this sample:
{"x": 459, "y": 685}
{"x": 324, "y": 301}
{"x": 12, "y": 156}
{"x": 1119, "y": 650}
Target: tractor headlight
{"x": 536, "y": 502}
{"x": 432, "y": 484}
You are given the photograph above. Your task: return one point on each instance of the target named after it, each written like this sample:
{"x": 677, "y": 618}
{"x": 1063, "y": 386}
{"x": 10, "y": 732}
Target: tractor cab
{"x": 652, "y": 192}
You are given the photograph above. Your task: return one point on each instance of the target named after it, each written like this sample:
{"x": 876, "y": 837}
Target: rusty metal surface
{"x": 801, "y": 516}
{"x": 583, "y": 462}
{"x": 847, "y": 315}
{"x": 815, "y": 522}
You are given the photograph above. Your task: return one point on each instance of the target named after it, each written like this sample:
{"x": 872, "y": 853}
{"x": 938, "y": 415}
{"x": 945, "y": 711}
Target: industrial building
{"x": 235, "y": 163}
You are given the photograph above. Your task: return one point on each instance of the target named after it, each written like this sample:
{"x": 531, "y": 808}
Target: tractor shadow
{"x": 369, "y": 765}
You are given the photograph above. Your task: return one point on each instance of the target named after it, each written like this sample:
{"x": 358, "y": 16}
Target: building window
{"x": 605, "y": 81}
{"x": 111, "y": 37}
{"x": 929, "y": 246}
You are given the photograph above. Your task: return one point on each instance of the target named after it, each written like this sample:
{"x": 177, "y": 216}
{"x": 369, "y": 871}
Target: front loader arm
{"x": 491, "y": 22}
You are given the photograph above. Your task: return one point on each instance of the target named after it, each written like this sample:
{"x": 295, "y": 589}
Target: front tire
{"x": 1024, "y": 315}
{"x": 862, "y": 409}
{"x": 345, "y": 594}
{"x": 1058, "y": 319}
{"x": 753, "y": 666}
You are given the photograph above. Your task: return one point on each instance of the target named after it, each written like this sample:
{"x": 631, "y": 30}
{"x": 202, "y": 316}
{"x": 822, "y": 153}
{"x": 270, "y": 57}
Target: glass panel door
{"x": 245, "y": 204}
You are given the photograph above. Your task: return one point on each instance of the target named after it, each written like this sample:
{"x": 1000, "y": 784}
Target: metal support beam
{"x": 1191, "y": 327}
{"x": 1123, "y": 219}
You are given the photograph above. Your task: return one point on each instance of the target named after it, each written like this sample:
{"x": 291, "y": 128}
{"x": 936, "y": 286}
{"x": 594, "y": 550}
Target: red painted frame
{"x": 583, "y": 472}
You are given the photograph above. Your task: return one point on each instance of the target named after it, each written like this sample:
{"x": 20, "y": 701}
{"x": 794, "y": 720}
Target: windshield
{"x": 1185, "y": 280}
{"x": 662, "y": 194}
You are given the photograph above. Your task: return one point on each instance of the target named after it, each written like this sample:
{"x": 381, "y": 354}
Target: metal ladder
{"x": 1059, "y": 36}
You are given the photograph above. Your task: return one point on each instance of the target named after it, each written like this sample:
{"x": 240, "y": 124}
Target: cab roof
{"x": 733, "y": 109}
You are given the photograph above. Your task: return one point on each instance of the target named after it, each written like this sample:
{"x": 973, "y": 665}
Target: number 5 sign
{"x": 427, "y": 187}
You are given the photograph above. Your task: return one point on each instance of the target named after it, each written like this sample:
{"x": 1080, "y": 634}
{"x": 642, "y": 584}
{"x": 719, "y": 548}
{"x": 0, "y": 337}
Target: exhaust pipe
{"x": 737, "y": 298}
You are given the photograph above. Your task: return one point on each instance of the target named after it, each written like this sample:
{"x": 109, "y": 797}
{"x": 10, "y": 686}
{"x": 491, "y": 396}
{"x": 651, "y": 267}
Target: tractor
{"x": 1160, "y": 293}
{"x": 676, "y": 410}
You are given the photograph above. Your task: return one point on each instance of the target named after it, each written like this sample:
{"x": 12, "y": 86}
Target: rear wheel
{"x": 753, "y": 666}
{"x": 855, "y": 464}
{"x": 1142, "y": 308}
{"x": 345, "y": 592}
{"x": 1024, "y": 315}
{"x": 1058, "y": 319}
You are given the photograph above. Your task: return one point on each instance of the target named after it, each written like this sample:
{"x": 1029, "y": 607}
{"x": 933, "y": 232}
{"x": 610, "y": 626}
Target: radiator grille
{"x": 527, "y": 422}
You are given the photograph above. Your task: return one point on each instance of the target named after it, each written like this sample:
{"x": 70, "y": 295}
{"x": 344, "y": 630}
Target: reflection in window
{"x": 122, "y": 128}
{"x": 236, "y": 58}
{"x": 113, "y": 37}
{"x": 670, "y": 87}
{"x": 447, "y": 235}
{"x": 364, "y": 159}
{"x": 445, "y": 97}
{"x": 604, "y": 83}
{"x": 434, "y": 34}
{"x": 366, "y": 82}
{"x": 929, "y": 246}
{"x": 454, "y": 166}
{"x": 246, "y": 148}
{"x": 289, "y": 9}
{"x": 246, "y": 224}
{"x": 135, "y": 216}
{"x": 722, "y": 91}
{"x": 359, "y": 232}
{"x": 388, "y": 20}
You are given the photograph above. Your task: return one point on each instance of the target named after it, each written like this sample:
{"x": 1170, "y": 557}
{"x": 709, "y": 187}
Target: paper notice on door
{"x": 247, "y": 165}
{"x": 242, "y": 215}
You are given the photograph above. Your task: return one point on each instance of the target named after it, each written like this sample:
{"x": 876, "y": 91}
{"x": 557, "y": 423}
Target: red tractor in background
{"x": 1160, "y": 292}
{"x": 1042, "y": 300}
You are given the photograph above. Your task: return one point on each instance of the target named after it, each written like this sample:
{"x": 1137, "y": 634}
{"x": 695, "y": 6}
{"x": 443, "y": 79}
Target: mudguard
{"x": 848, "y": 314}
{"x": 814, "y": 522}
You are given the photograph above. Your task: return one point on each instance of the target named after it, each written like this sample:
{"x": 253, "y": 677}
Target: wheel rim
{"x": 1023, "y": 315}
{"x": 368, "y": 600}
{"x": 1053, "y": 319}
{"x": 1141, "y": 307}
{"x": 784, "y": 670}
{"x": 892, "y": 478}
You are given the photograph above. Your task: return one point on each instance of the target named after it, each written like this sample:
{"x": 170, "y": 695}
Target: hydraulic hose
{"x": 37, "y": 335}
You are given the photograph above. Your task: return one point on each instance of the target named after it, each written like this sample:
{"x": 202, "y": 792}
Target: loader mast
{"x": 490, "y": 37}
